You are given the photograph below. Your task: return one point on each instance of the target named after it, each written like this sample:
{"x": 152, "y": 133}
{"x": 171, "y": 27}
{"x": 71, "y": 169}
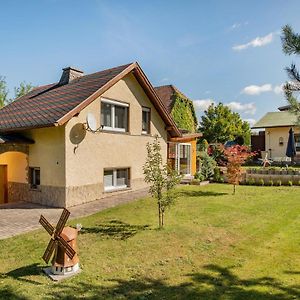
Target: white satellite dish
{"x": 91, "y": 122}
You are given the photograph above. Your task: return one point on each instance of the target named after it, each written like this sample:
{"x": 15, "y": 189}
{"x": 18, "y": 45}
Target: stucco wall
{"x": 86, "y": 161}
{"x": 16, "y": 166}
{"x": 48, "y": 154}
{"x": 272, "y": 140}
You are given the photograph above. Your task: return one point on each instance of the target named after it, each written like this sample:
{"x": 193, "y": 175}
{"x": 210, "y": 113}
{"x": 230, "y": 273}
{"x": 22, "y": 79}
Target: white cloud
{"x": 247, "y": 108}
{"x": 238, "y": 25}
{"x": 257, "y": 42}
{"x": 203, "y": 104}
{"x": 278, "y": 89}
{"x": 256, "y": 89}
{"x": 250, "y": 121}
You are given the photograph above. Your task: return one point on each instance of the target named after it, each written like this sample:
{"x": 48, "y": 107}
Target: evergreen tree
{"x": 291, "y": 45}
{"x": 219, "y": 124}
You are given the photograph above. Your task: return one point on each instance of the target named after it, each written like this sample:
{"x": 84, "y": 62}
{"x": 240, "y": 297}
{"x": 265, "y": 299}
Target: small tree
{"x": 161, "y": 178}
{"x": 236, "y": 157}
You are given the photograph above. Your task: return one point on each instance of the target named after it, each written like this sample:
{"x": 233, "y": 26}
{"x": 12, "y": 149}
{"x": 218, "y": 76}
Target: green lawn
{"x": 214, "y": 246}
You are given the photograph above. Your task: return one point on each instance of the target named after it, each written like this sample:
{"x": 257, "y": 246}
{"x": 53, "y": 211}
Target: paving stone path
{"x": 17, "y": 218}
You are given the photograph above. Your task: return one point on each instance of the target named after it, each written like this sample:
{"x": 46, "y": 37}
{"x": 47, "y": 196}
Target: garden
{"x": 214, "y": 245}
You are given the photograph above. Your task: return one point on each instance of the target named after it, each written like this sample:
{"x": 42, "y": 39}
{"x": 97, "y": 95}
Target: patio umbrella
{"x": 291, "y": 147}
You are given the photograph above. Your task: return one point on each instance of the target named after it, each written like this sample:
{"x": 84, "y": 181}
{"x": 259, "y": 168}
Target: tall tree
{"x": 3, "y": 91}
{"x": 219, "y": 124}
{"x": 22, "y": 89}
{"x": 291, "y": 45}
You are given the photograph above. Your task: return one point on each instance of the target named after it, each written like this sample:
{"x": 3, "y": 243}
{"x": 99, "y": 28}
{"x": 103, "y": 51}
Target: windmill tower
{"x": 63, "y": 244}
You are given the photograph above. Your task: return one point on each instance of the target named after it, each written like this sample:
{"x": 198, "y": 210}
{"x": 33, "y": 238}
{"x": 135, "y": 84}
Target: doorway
{"x": 184, "y": 159}
{"x": 3, "y": 184}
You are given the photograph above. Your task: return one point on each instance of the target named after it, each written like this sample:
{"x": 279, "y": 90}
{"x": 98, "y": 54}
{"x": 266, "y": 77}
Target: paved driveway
{"x": 17, "y": 218}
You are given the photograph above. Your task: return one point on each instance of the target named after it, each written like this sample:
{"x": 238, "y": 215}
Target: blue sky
{"x": 227, "y": 51}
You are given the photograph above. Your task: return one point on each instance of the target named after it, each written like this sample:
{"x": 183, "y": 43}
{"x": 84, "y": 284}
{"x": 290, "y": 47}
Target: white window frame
{"x": 177, "y": 162}
{"x": 112, "y": 114}
{"x": 148, "y": 110}
{"x": 115, "y": 187}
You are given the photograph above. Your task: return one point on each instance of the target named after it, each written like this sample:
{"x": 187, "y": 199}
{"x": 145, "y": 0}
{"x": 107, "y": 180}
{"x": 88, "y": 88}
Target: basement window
{"x": 114, "y": 115}
{"x": 116, "y": 179}
{"x": 34, "y": 177}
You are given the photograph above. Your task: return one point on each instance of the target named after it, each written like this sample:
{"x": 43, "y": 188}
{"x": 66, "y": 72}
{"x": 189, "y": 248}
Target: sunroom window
{"x": 116, "y": 179}
{"x": 34, "y": 177}
{"x": 114, "y": 115}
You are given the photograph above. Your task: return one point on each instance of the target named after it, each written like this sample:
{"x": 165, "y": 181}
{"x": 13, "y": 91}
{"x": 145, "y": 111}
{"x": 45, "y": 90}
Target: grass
{"x": 214, "y": 246}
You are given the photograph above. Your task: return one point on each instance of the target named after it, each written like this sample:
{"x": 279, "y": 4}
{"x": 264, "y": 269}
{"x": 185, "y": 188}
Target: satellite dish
{"x": 77, "y": 133}
{"x": 91, "y": 122}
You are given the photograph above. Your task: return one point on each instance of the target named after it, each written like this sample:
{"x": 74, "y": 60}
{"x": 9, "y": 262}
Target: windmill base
{"x": 60, "y": 273}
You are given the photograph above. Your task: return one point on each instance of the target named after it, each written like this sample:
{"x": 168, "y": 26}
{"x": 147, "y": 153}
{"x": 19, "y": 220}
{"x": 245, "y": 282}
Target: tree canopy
{"x": 291, "y": 45}
{"x": 219, "y": 124}
{"x": 19, "y": 91}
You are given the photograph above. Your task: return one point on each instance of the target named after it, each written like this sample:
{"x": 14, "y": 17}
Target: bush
{"x": 270, "y": 183}
{"x": 199, "y": 176}
{"x": 261, "y": 182}
{"x": 195, "y": 182}
{"x": 278, "y": 182}
{"x": 251, "y": 181}
{"x": 217, "y": 175}
{"x": 290, "y": 183}
{"x": 207, "y": 166}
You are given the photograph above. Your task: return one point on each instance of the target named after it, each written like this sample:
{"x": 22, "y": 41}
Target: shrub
{"x": 199, "y": 176}
{"x": 221, "y": 180}
{"x": 195, "y": 182}
{"x": 261, "y": 182}
{"x": 270, "y": 183}
{"x": 217, "y": 174}
{"x": 290, "y": 183}
{"x": 278, "y": 182}
{"x": 207, "y": 167}
{"x": 251, "y": 181}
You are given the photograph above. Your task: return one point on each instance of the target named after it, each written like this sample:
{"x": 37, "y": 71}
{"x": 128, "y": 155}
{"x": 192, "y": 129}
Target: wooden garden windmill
{"x": 62, "y": 244}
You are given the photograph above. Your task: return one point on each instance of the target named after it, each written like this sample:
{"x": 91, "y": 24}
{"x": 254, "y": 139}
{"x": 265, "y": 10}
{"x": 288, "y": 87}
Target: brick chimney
{"x": 69, "y": 74}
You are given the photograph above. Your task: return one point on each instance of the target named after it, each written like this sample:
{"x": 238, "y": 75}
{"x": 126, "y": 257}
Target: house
{"x": 276, "y": 134}
{"x": 48, "y": 153}
{"x": 182, "y": 150}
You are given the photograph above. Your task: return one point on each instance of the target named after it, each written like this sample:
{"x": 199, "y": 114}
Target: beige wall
{"x": 16, "y": 166}
{"x": 272, "y": 136}
{"x": 48, "y": 154}
{"x": 85, "y": 162}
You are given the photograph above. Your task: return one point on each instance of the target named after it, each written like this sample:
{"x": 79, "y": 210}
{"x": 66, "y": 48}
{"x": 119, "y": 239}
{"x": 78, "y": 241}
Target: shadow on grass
{"x": 115, "y": 229}
{"x": 8, "y": 293}
{"x": 188, "y": 193}
{"x": 214, "y": 283}
{"x": 23, "y": 272}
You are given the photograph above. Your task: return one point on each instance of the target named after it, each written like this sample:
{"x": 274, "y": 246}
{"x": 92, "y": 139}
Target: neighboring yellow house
{"x": 182, "y": 151}
{"x": 48, "y": 155}
{"x": 277, "y": 126}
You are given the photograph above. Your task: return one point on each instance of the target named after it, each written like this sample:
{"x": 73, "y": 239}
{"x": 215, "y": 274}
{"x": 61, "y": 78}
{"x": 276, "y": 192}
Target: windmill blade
{"x": 62, "y": 221}
{"x": 49, "y": 250}
{"x": 49, "y": 228}
{"x": 69, "y": 250}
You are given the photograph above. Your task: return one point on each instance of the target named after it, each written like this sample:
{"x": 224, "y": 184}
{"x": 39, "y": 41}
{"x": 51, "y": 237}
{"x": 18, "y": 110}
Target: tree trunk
{"x": 162, "y": 218}
{"x": 159, "y": 215}
{"x": 234, "y": 189}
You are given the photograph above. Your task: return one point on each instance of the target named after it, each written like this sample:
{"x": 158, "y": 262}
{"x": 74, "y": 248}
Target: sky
{"x": 213, "y": 51}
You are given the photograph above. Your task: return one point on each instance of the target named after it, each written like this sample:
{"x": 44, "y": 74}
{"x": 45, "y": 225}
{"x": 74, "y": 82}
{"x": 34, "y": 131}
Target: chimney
{"x": 69, "y": 74}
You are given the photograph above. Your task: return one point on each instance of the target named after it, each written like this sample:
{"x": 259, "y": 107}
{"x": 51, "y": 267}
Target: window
{"x": 34, "y": 177}
{"x": 116, "y": 179}
{"x": 114, "y": 115}
{"x": 146, "y": 120}
{"x": 297, "y": 142}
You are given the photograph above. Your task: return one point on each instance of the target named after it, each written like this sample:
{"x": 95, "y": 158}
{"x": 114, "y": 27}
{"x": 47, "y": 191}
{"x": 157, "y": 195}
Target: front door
{"x": 3, "y": 184}
{"x": 184, "y": 159}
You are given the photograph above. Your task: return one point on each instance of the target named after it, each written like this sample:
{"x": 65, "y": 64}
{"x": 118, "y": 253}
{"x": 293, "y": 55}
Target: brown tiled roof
{"x": 46, "y": 105}
{"x": 54, "y": 104}
{"x": 165, "y": 93}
